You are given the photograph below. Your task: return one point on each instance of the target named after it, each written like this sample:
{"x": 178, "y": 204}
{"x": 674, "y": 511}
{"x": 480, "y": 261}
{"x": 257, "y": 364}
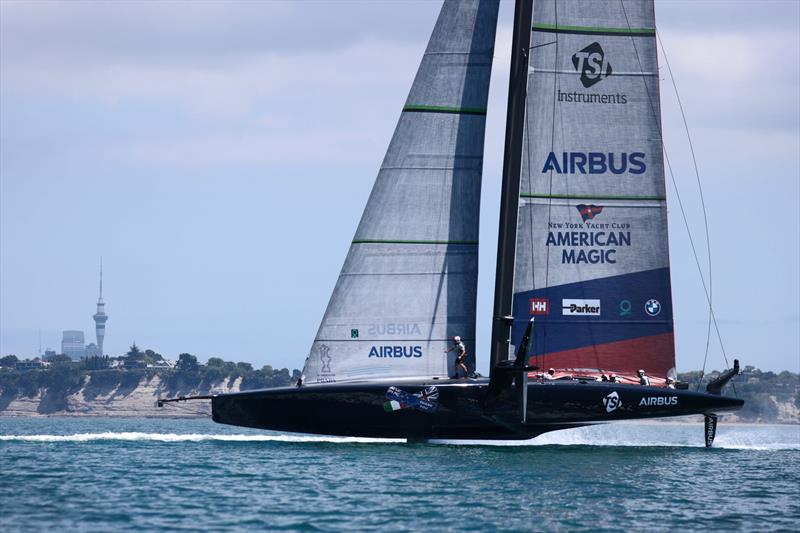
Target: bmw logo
{"x": 652, "y": 307}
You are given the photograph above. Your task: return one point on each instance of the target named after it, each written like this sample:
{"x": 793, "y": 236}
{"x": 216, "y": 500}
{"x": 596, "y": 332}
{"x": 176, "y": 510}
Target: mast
{"x": 509, "y": 199}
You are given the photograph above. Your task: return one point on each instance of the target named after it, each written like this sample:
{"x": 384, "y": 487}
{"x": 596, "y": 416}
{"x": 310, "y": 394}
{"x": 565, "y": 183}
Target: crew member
{"x": 551, "y": 374}
{"x": 670, "y": 383}
{"x": 643, "y": 379}
{"x": 461, "y": 356}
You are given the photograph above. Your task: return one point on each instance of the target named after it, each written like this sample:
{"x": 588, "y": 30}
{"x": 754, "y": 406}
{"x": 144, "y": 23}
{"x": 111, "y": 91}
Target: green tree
{"x": 135, "y": 354}
{"x": 244, "y": 367}
{"x": 9, "y": 361}
{"x": 187, "y": 362}
{"x": 215, "y": 362}
{"x": 61, "y": 359}
{"x": 153, "y": 356}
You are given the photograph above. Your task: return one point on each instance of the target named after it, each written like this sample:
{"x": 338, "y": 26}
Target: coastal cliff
{"x": 132, "y": 399}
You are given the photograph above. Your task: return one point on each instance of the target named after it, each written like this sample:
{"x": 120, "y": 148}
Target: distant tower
{"x": 100, "y": 316}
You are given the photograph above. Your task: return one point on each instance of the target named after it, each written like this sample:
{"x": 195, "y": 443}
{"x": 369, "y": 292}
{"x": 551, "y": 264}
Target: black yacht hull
{"x": 462, "y": 410}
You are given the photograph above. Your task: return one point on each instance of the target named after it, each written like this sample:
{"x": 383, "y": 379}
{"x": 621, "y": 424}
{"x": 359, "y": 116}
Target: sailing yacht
{"x": 582, "y": 328}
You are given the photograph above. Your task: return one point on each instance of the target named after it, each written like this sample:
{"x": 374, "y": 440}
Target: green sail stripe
{"x": 382, "y": 241}
{"x": 590, "y": 197}
{"x": 445, "y": 109}
{"x": 593, "y": 30}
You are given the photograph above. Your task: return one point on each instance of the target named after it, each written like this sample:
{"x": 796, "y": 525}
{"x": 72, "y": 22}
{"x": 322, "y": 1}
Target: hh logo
{"x": 540, "y": 306}
{"x": 592, "y": 64}
{"x": 612, "y": 402}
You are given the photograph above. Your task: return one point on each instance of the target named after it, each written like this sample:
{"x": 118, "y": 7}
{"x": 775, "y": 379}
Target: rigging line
{"x": 696, "y": 257}
{"x": 677, "y": 193}
{"x": 550, "y": 177}
{"x": 702, "y": 200}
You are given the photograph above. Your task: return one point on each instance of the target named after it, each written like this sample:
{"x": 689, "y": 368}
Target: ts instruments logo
{"x": 580, "y": 307}
{"x": 612, "y": 402}
{"x": 592, "y": 64}
{"x": 540, "y": 306}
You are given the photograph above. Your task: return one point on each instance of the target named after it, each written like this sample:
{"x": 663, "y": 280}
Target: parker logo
{"x": 580, "y": 307}
{"x": 592, "y": 64}
{"x": 540, "y": 306}
{"x": 650, "y": 401}
{"x": 588, "y": 212}
{"x": 612, "y": 402}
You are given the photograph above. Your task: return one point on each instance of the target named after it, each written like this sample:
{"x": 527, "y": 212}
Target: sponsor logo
{"x": 595, "y": 163}
{"x": 325, "y": 359}
{"x": 353, "y": 333}
{"x": 602, "y": 245}
{"x": 395, "y": 351}
{"x": 650, "y": 401}
{"x": 540, "y": 306}
{"x": 394, "y": 329}
{"x": 425, "y": 400}
{"x": 588, "y": 212}
{"x": 592, "y": 98}
{"x": 652, "y": 307}
{"x": 612, "y": 402}
{"x": 580, "y": 307}
{"x": 625, "y": 307}
{"x": 591, "y": 62}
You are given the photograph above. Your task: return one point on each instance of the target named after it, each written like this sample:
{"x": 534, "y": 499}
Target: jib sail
{"x": 592, "y": 259}
{"x": 409, "y": 281}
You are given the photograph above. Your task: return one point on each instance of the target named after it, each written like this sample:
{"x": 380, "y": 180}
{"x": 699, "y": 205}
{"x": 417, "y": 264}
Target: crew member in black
{"x": 461, "y": 356}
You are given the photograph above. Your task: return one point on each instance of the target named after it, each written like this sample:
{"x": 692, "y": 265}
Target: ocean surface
{"x": 73, "y": 474}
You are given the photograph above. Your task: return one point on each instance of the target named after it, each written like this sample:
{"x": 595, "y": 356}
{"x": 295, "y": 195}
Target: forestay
{"x": 592, "y": 258}
{"x": 409, "y": 281}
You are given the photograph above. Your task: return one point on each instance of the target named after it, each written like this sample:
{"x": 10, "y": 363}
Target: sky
{"x": 218, "y": 155}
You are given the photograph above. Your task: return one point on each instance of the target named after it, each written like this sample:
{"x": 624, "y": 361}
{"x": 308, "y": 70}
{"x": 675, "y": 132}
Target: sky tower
{"x": 100, "y": 316}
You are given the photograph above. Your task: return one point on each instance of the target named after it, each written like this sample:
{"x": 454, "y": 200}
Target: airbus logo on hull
{"x": 396, "y": 351}
{"x": 595, "y": 163}
{"x": 650, "y": 401}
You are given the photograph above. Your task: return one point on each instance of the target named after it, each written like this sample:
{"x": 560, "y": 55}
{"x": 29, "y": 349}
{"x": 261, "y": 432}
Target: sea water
{"x": 82, "y": 474}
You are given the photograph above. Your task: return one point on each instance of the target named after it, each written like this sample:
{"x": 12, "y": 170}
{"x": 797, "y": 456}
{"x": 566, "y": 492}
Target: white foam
{"x": 632, "y": 435}
{"x": 186, "y": 437}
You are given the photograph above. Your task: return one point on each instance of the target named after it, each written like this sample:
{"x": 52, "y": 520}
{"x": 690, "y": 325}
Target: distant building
{"x": 92, "y": 350}
{"x": 100, "y": 316}
{"x": 164, "y": 364}
{"x": 72, "y": 344}
{"x": 49, "y": 354}
{"x": 29, "y": 364}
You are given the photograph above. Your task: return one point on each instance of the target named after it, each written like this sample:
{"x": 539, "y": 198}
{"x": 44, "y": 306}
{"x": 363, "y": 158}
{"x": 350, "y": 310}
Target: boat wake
{"x": 740, "y": 439}
{"x": 652, "y": 435}
{"x": 187, "y": 437}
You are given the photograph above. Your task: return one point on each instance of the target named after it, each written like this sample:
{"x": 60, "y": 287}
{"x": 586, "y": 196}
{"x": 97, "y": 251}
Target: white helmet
{"x": 456, "y": 339}
{"x": 641, "y": 372}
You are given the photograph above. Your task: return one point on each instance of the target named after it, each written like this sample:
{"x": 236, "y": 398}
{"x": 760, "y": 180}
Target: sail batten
{"x": 592, "y": 259}
{"x": 409, "y": 281}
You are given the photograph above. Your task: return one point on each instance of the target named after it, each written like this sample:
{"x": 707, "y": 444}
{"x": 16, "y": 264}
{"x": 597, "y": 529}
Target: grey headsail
{"x": 409, "y": 281}
{"x": 592, "y": 259}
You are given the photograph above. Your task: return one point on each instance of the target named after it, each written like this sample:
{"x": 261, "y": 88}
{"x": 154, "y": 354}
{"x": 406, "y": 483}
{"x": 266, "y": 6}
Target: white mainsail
{"x": 409, "y": 281}
{"x": 592, "y": 259}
